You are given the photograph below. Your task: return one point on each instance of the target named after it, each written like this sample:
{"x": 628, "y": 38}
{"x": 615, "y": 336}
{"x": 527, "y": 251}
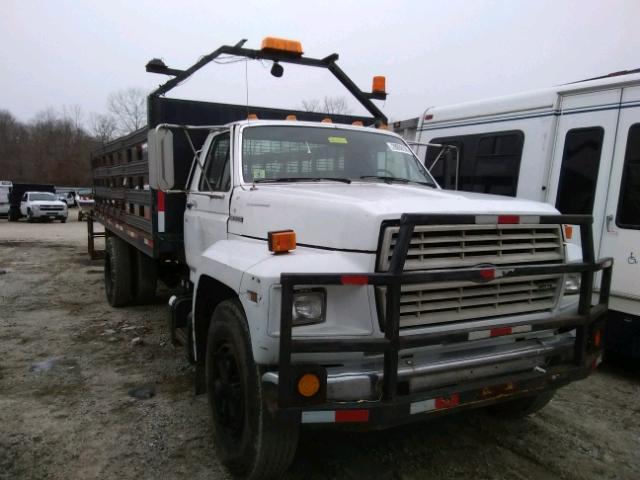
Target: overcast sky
{"x": 63, "y": 52}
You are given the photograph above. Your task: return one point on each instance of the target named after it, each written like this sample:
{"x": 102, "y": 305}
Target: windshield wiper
{"x": 395, "y": 179}
{"x": 301, "y": 179}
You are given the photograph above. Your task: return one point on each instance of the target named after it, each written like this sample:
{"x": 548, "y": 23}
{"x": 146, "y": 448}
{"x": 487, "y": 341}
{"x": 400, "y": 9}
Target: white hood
{"x": 345, "y": 216}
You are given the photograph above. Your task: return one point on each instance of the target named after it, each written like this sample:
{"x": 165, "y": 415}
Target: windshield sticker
{"x": 398, "y": 147}
{"x": 337, "y": 140}
{"x": 258, "y": 173}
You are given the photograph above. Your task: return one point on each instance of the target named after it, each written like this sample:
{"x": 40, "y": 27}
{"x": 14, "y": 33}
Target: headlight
{"x": 309, "y": 307}
{"x": 572, "y": 284}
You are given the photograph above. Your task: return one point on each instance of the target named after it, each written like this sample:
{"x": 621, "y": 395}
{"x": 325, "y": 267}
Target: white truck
{"x": 575, "y": 146}
{"x": 43, "y": 206}
{"x": 323, "y": 277}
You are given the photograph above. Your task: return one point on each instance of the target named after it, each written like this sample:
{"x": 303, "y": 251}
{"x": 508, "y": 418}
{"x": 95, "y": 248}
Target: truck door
{"x": 621, "y": 232}
{"x": 205, "y": 219}
{"x": 584, "y": 144}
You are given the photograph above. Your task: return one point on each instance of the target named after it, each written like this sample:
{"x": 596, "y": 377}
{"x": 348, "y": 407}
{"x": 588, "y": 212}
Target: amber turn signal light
{"x": 282, "y": 241}
{"x": 308, "y": 385}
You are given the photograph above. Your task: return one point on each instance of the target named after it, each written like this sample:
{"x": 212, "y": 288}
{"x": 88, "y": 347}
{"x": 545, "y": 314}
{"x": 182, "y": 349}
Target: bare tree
{"x": 103, "y": 127}
{"x": 330, "y": 105}
{"x": 74, "y": 115}
{"x": 129, "y": 107}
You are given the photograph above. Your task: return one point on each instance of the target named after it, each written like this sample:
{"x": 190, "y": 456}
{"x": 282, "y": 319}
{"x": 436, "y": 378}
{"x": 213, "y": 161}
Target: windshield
{"x": 291, "y": 153}
{"x": 42, "y": 196}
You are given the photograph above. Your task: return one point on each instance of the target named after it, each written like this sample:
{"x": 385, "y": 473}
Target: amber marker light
{"x": 282, "y": 241}
{"x": 568, "y": 232}
{"x": 282, "y": 45}
{"x": 379, "y": 84}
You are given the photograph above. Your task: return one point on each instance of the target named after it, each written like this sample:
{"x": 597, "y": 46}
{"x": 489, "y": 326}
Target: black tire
{"x": 63, "y": 220}
{"x": 249, "y": 440}
{"x": 522, "y": 407}
{"x": 146, "y": 278}
{"x": 117, "y": 272}
{"x": 29, "y": 216}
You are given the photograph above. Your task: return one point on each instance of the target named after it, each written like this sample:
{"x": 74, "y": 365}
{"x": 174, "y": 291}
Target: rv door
{"x": 584, "y": 144}
{"x": 621, "y": 232}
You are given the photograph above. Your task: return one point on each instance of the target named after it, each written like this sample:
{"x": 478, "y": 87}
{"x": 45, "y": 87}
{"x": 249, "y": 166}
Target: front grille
{"x": 51, "y": 208}
{"x": 464, "y": 246}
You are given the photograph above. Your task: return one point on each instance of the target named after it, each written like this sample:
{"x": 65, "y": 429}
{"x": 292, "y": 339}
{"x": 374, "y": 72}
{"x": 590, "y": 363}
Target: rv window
{"x": 489, "y": 163}
{"x": 579, "y": 170}
{"x": 629, "y": 202}
{"x": 216, "y": 168}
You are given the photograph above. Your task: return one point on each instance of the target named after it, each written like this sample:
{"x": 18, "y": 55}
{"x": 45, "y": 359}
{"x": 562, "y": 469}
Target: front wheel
{"x": 30, "y": 218}
{"x": 250, "y": 440}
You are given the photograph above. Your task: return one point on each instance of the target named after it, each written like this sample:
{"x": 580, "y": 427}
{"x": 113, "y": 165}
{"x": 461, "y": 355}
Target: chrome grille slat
{"x": 459, "y": 246}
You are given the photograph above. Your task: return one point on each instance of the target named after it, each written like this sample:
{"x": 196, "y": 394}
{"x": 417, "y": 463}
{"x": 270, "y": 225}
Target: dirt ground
{"x": 67, "y": 363}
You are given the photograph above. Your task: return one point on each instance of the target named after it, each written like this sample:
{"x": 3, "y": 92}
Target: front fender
{"x": 350, "y": 309}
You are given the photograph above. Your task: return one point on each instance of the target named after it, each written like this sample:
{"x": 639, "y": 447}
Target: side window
{"x": 579, "y": 170}
{"x": 497, "y": 164}
{"x": 444, "y": 170}
{"x": 216, "y": 176}
{"x": 24, "y": 197}
{"x": 629, "y": 202}
{"x": 489, "y": 163}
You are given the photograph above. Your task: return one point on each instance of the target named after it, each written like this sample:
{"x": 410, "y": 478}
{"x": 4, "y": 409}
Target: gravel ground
{"x": 67, "y": 363}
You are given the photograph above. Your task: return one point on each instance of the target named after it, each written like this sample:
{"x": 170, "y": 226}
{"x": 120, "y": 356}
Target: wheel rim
{"x": 228, "y": 394}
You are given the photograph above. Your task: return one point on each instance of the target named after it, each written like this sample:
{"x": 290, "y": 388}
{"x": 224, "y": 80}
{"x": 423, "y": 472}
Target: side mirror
{"x": 160, "y": 147}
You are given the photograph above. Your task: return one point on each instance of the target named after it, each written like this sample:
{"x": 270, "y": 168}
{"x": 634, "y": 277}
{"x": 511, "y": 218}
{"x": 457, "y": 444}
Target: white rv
{"x": 575, "y": 146}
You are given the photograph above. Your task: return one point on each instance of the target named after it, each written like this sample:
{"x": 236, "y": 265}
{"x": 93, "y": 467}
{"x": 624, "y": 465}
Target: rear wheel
{"x": 146, "y": 277}
{"x": 117, "y": 272}
{"x": 521, "y": 407}
{"x": 249, "y": 439}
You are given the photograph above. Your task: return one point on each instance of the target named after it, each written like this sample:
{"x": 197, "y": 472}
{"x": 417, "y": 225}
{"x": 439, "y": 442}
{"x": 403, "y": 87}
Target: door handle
{"x": 191, "y": 205}
{"x": 609, "y": 220}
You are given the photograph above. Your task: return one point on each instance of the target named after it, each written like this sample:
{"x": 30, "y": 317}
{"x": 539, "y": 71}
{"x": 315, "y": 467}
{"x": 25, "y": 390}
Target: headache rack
{"x": 397, "y": 276}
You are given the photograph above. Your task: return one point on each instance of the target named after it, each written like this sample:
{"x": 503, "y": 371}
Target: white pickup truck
{"x": 325, "y": 278}
{"x": 43, "y": 206}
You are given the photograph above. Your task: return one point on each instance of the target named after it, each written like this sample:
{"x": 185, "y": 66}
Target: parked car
{"x": 43, "y": 206}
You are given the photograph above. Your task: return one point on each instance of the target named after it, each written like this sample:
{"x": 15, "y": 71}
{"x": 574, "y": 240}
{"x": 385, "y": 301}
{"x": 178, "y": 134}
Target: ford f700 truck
{"x": 322, "y": 276}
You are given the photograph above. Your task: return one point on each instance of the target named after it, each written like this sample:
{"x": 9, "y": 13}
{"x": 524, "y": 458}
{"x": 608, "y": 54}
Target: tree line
{"x": 55, "y": 146}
